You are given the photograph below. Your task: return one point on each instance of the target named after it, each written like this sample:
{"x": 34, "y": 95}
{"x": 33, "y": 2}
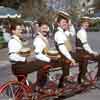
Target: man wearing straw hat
{"x": 84, "y": 49}
{"x": 63, "y": 44}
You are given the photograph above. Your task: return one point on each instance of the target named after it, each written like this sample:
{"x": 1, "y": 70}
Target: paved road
{"x": 5, "y": 70}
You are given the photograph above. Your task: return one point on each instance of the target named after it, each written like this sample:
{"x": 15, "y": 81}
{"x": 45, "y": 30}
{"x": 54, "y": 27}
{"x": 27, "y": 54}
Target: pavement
{"x": 89, "y": 95}
{"x": 4, "y": 56}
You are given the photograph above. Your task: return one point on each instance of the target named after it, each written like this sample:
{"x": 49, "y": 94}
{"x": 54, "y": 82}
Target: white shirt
{"x": 39, "y": 45}
{"x": 60, "y": 38}
{"x": 82, "y": 36}
{"x": 14, "y": 46}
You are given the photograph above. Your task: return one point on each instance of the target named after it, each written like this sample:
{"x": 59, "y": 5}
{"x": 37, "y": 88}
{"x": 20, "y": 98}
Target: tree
{"x": 33, "y": 8}
{"x": 11, "y": 3}
{"x": 39, "y": 8}
{"x": 97, "y": 4}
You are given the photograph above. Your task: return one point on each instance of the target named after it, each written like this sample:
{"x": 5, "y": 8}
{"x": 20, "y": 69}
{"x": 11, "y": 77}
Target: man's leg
{"x": 42, "y": 71}
{"x": 18, "y": 71}
{"x": 42, "y": 74}
{"x": 82, "y": 71}
{"x": 41, "y": 78}
{"x": 65, "y": 70}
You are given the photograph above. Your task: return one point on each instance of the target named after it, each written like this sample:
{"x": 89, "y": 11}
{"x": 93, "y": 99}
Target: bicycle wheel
{"x": 14, "y": 90}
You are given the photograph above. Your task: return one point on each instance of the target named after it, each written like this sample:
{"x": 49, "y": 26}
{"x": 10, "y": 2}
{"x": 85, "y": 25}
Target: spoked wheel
{"x": 14, "y": 90}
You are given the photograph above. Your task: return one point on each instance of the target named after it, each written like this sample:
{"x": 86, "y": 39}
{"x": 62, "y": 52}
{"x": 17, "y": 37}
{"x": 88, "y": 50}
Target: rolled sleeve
{"x": 42, "y": 57}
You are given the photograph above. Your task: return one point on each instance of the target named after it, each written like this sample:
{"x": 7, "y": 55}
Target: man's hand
{"x": 73, "y": 62}
{"x": 95, "y": 53}
{"x": 70, "y": 22}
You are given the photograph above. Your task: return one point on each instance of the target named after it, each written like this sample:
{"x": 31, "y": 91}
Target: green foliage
{"x": 2, "y": 41}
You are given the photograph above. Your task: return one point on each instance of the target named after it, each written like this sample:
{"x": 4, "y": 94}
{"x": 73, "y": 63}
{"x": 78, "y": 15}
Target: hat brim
{"x": 63, "y": 13}
{"x": 85, "y": 19}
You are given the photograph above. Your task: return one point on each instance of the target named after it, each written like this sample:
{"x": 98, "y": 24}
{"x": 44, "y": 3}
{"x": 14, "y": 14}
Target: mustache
{"x": 45, "y": 32}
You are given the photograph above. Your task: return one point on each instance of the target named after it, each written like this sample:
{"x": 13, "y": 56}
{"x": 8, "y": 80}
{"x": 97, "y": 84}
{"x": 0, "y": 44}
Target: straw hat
{"x": 61, "y": 14}
{"x": 85, "y": 19}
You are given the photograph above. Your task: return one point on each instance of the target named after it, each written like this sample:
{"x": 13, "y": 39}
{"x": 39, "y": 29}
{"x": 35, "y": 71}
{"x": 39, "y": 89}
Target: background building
{"x": 36, "y": 8}
{"x": 80, "y": 7}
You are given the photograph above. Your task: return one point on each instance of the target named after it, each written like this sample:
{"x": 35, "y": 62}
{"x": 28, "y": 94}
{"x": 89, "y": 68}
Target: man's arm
{"x": 60, "y": 42}
{"x": 64, "y": 51}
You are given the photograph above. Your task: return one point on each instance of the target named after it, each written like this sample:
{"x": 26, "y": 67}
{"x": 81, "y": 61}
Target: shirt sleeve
{"x": 88, "y": 48}
{"x": 13, "y": 53}
{"x": 83, "y": 38}
{"x": 43, "y": 57}
{"x": 16, "y": 57}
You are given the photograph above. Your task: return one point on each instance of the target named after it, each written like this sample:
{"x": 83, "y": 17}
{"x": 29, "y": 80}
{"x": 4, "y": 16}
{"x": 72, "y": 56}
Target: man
{"x": 84, "y": 49}
{"x": 60, "y": 41}
{"x": 41, "y": 46}
{"x": 20, "y": 65}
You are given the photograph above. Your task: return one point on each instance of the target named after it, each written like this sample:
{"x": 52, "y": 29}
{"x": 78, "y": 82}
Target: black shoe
{"x": 66, "y": 82}
{"x": 84, "y": 81}
{"x": 79, "y": 80}
{"x": 60, "y": 85}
